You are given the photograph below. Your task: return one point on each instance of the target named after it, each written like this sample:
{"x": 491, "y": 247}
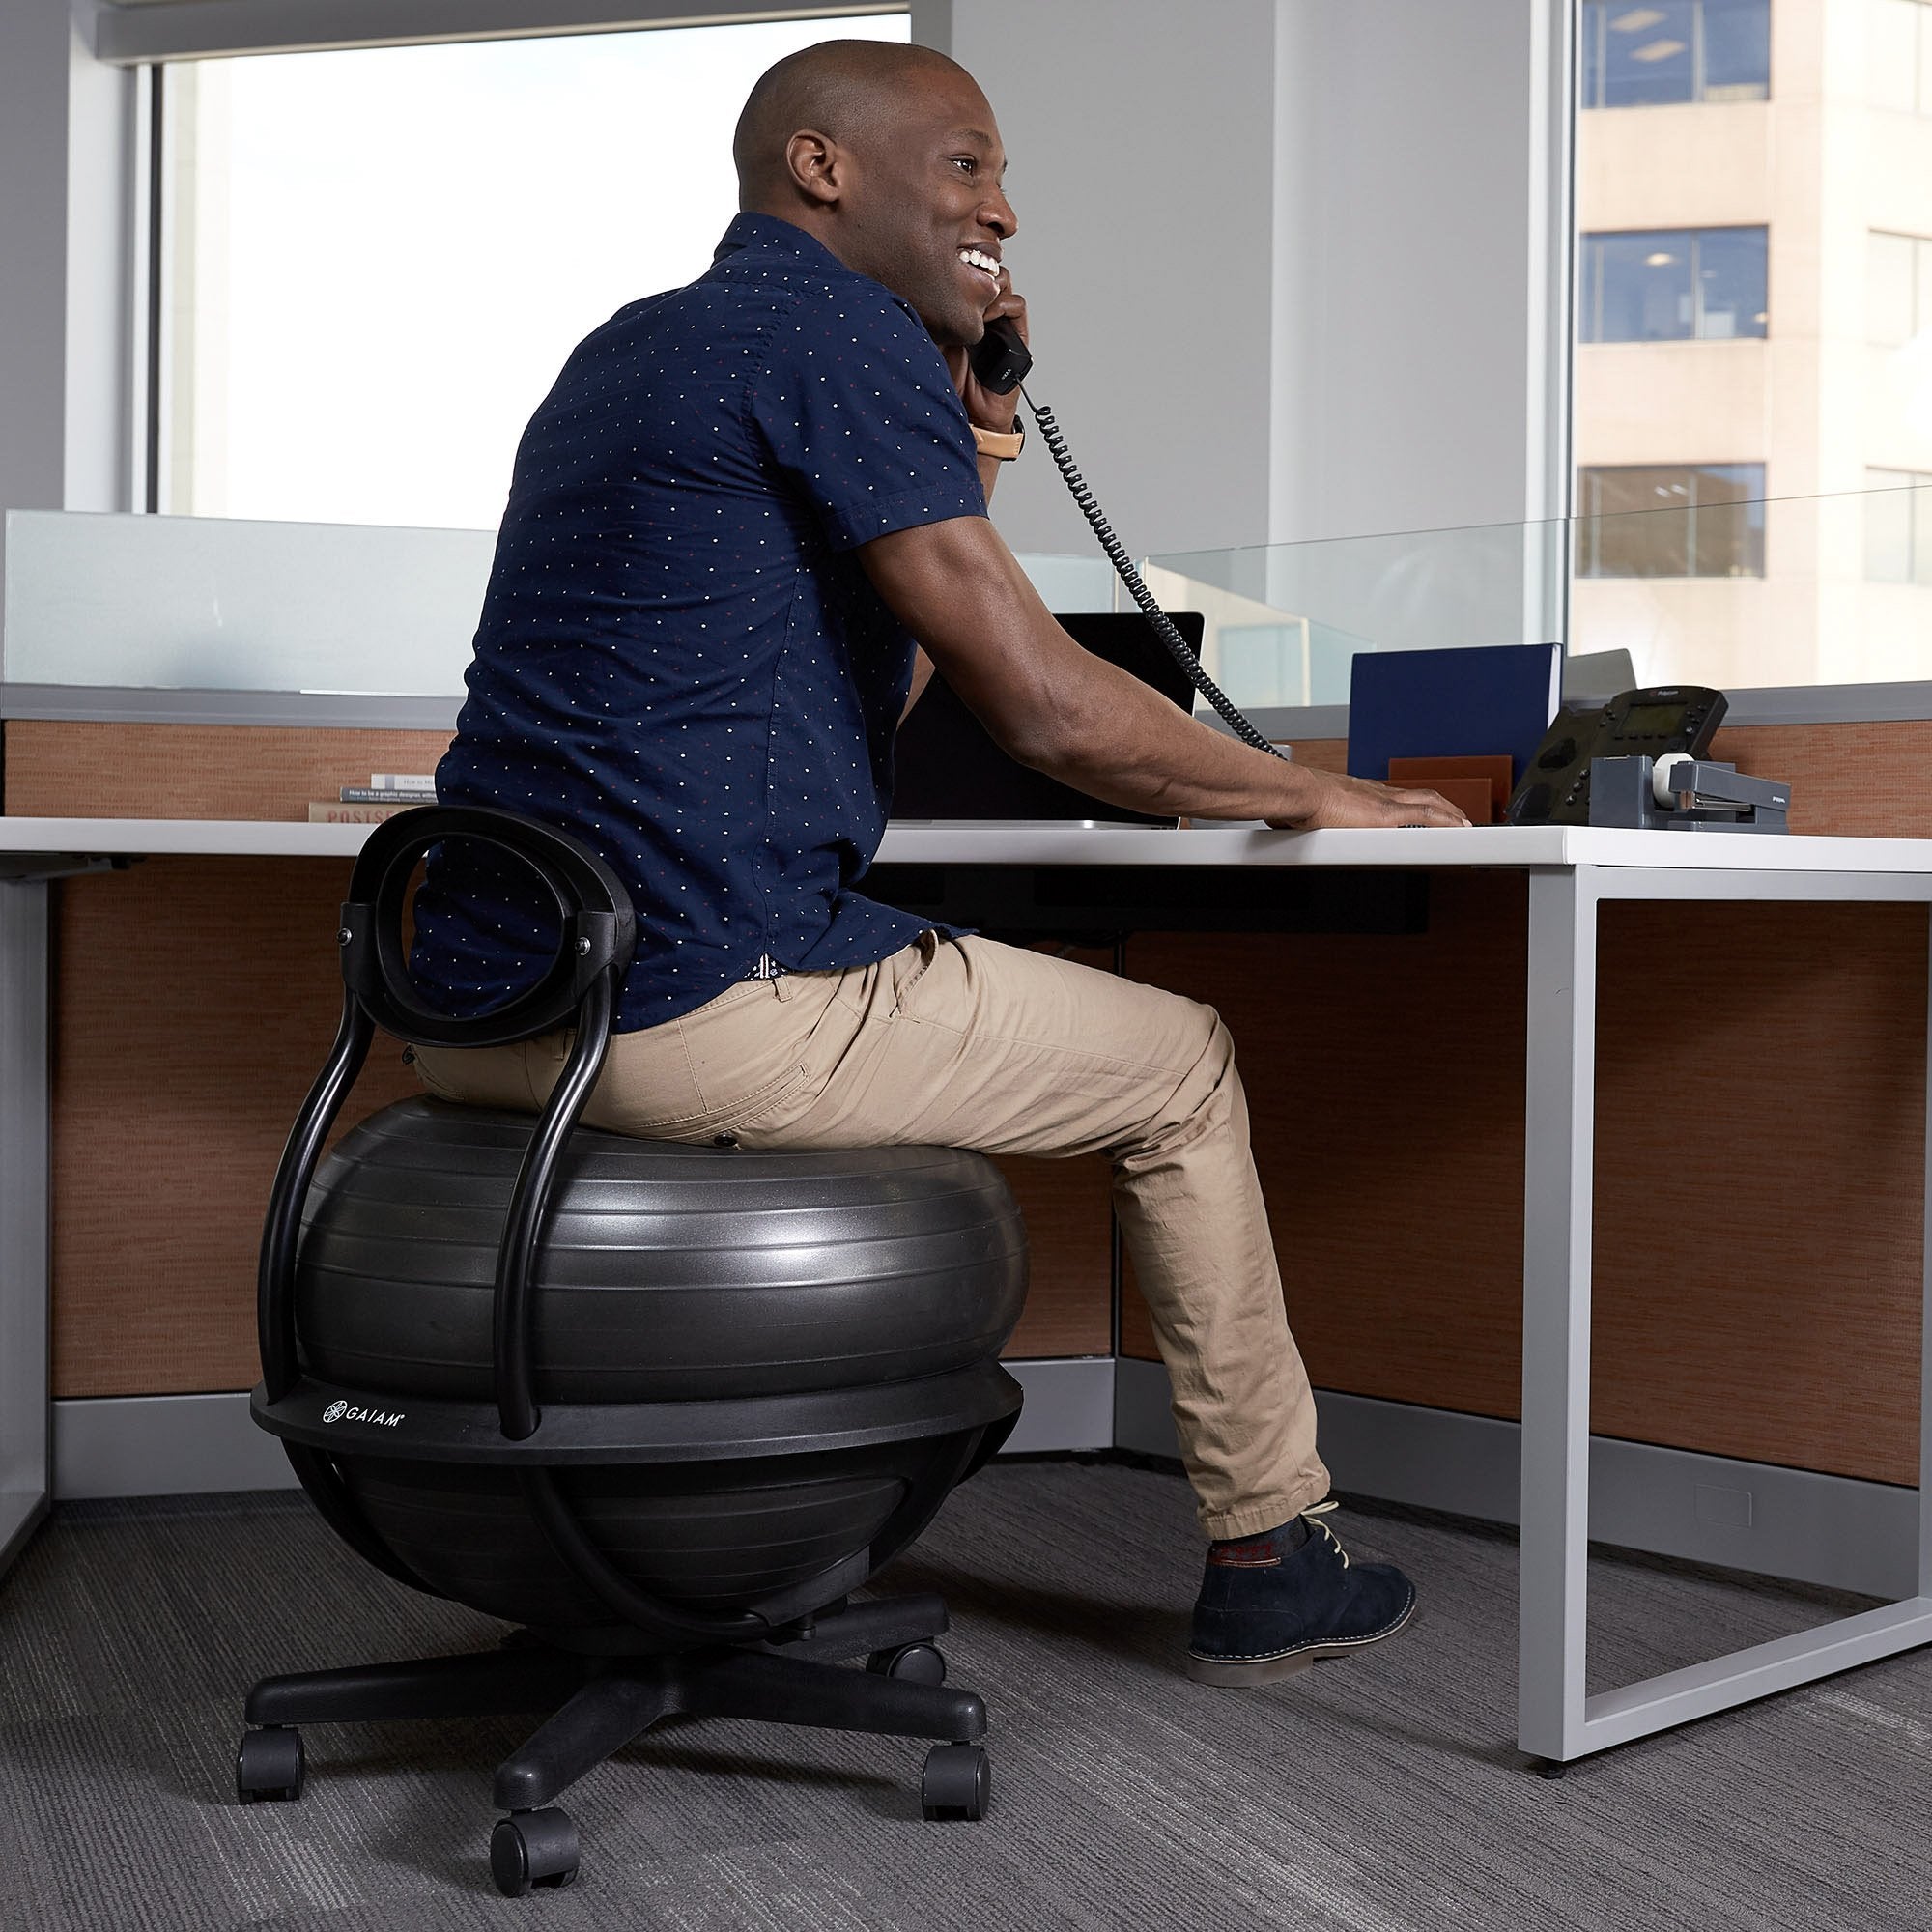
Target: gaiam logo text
{"x": 340, "y": 1411}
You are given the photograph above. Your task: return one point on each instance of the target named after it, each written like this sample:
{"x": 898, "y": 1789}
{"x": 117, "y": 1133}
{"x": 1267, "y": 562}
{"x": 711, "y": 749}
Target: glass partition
{"x": 205, "y": 604}
{"x": 139, "y": 604}
{"x": 1712, "y": 585}
{"x": 1707, "y": 584}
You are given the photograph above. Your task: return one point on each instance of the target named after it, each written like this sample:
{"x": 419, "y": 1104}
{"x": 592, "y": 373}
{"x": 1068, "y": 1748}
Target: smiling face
{"x": 923, "y": 209}
{"x": 890, "y": 157}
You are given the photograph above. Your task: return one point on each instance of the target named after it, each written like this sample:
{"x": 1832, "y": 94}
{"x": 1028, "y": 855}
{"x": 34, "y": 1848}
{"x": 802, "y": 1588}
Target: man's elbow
{"x": 1051, "y": 737}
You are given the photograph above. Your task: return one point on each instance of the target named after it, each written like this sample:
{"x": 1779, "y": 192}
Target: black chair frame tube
{"x": 516, "y": 1389}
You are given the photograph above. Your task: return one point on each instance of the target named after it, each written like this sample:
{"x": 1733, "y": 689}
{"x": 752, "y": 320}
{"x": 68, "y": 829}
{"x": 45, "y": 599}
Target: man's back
{"x": 679, "y": 656}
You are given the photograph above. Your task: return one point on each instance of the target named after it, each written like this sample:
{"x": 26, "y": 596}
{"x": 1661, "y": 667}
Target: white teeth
{"x": 973, "y": 258}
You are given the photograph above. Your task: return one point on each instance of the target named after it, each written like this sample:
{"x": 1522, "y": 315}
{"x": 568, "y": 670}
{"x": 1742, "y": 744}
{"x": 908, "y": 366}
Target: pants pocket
{"x": 909, "y": 967}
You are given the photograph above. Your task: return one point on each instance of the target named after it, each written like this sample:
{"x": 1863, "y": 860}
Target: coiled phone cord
{"x": 1117, "y": 555}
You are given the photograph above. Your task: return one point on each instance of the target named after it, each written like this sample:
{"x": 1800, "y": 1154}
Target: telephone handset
{"x": 1665, "y": 718}
{"x": 1001, "y": 362}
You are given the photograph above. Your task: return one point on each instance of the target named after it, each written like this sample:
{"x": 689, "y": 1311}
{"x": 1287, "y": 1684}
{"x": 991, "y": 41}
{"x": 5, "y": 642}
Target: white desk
{"x": 1570, "y": 873}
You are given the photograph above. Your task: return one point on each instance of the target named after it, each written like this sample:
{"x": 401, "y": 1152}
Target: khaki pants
{"x": 975, "y": 1045}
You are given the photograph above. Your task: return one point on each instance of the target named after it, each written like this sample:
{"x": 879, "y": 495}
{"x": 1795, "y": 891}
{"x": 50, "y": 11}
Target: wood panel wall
{"x": 57, "y": 769}
{"x": 1757, "y": 1282}
{"x": 194, "y": 998}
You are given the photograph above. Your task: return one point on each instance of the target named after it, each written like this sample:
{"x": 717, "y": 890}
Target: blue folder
{"x": 1471, "y": 702}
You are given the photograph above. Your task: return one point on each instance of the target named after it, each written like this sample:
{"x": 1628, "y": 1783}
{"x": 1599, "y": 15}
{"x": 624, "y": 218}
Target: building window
{"x": 1704, "y": 520}
{"x": 1899, "y": 526}
{"x": 376, "y": 261}
{"x": 1673, "y": 285}
{"x": 1898, "y": 45}
{"x": 1676, "y": 50}
{"x": 1898, "y": 287}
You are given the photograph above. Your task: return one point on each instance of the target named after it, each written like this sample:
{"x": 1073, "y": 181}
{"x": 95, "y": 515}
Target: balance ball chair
{"x": 663, "y": 1408}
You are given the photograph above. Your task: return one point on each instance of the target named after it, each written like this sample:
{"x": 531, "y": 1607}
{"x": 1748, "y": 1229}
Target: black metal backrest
{"x": 579, "y": 987}
{"x": 598, "y": 927}
{"x": 598, "y": 938}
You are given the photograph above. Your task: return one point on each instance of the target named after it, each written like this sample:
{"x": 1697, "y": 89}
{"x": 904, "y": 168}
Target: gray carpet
{"x": 1381, "y": 1793}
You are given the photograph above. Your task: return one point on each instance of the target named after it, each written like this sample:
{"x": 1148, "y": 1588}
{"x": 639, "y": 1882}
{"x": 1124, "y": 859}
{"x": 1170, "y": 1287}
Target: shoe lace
{"x": 1315, "y": 1514}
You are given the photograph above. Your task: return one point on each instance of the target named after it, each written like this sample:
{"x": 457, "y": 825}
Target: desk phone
{"x": 1666, "y": 717}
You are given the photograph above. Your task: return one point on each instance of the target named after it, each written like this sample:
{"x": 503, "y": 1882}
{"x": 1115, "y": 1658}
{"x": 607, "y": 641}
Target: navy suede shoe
{"x": 1274, "y": 1603}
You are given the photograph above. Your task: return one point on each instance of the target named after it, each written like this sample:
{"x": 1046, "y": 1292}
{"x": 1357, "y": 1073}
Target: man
{"x": 731, "y": 522}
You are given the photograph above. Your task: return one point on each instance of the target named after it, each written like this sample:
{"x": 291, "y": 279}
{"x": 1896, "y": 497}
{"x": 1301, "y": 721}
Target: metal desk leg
{"x": 1560, "y": 1123}
{"x": 23, "y": 1213}
{"x": 1556, "y": 1719}
{"x": 1926, "y": 1324}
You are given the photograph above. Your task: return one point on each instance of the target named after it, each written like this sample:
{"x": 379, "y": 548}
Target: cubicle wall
{"x": 1745, "y": 1049}
{"x": 1760, "y": 1135}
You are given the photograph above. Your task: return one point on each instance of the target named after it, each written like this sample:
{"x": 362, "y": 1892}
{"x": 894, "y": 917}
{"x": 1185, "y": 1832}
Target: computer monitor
{"x": 946, "y": 766}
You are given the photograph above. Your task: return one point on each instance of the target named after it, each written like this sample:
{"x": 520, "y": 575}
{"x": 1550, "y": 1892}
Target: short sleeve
{"x": 857, "y": 410}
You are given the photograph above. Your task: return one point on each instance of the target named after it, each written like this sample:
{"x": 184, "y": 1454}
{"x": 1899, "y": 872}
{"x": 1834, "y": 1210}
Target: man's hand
{"x": 983, "y": 408}
{"x": 1362, "y": 801}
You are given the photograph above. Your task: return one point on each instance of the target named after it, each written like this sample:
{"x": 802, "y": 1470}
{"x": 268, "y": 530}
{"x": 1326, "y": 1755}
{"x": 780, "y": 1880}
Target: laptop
{"x": 946, "y": 766}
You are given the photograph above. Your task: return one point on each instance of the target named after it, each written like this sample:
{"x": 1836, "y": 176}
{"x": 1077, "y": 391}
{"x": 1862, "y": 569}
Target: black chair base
{"x": 599, "y": 1703}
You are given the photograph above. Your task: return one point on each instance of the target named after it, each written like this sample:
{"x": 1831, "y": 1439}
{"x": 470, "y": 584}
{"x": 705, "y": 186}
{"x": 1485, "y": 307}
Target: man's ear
{"x": 816, "y": 165}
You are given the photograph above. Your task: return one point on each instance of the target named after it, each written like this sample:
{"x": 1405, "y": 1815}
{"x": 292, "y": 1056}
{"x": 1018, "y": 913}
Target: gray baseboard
{"x": 1069, "y": 1405}
{"x": 179, "y": 1445}
{"x": 1829, "y": 1530}
{"x": 1793, "y": 1523}
{"x": 161, "y": 1445}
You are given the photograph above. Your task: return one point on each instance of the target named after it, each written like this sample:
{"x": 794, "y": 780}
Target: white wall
{"x": 1140, "y": 140}
{"x": 1340, "y": 234}
{"x": 1421, "y": 256}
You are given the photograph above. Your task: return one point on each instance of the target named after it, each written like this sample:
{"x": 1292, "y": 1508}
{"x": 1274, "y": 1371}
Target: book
{"x": 332, "y": 812}
{"x": 402, "y": 781}
{"x": 387, "y": 795}
{"x": 1463, "y": 702}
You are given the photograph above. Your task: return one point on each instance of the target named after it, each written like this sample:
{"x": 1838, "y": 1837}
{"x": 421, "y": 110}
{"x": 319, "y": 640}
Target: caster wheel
{"x": 915, "y": 1663}
{"x": 269, "y": 1765}
{"x": 958, "y": 1782}
{"x": 533, "y": 1848}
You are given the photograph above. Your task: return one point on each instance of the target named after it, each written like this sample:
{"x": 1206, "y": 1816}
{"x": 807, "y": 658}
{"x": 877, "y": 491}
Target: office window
{"x": 1705, "y": 519}
{"x": 376, "y": 262}
{"x": 1899, "y": 526}
{"x": 1673, "y": 284}
{"x": 1676, "y": 50}
{"x": 1898, "y": 287}
{"x": 1898, "y": 47}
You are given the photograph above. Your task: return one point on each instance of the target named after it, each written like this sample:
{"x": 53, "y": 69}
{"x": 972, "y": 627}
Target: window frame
{"x": 1589, "y": 483}
{"x": 1597, "y": 12}
{"x": 157, "y": 433}
{"x": 1693, "y": 239}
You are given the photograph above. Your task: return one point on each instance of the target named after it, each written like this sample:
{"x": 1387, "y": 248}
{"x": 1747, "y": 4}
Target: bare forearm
{"x": 1134, "y": 749}
{"x": 1054, "y": 706}
{"x": 1048, "y": 704}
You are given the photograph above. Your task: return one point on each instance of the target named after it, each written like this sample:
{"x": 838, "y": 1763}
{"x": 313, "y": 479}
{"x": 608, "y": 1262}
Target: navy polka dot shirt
{"x": 680, "y": 658}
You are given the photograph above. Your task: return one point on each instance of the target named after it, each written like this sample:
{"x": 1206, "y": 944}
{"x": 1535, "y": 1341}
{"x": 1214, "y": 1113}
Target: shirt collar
{"x": 766, "y": 235}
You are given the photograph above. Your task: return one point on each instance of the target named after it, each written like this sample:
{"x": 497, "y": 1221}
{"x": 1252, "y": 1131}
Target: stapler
{"x": 1679, "y": 793}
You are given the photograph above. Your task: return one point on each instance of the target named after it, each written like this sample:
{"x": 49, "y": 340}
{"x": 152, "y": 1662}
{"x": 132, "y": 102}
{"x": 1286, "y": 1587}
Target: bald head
{"x": 845, "y": 90}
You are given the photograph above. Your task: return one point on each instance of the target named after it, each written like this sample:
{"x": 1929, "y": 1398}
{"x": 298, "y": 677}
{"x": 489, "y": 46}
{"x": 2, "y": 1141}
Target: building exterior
{"x": 1754, "y": 339}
